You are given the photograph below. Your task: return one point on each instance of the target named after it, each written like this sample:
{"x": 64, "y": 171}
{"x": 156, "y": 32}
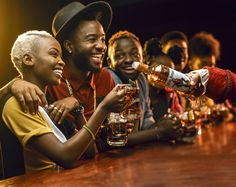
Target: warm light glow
{"x": 11, "y": 22}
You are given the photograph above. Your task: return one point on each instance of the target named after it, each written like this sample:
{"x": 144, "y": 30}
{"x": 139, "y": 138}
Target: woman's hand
{"x": 115, "y": 101}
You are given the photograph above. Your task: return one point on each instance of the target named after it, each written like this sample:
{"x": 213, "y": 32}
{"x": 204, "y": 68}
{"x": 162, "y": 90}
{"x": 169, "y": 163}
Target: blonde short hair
{"x": 25, "y": 43}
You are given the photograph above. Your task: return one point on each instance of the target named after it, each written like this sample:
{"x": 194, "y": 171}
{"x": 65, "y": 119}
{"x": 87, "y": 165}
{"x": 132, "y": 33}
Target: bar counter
{"x": 210, "y": 162}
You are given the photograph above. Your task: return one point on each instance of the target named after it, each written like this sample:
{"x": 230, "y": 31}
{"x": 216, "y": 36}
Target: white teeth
{"x": 97, "y": 56}
{"x": 129, "y": 68}
{"x": 58, "y": 71}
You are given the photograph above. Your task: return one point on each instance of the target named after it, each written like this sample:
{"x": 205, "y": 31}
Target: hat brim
{"x": 100, "y": 10}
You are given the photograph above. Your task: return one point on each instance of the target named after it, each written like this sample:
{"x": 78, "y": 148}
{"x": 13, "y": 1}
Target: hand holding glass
{"x": 121, "y": 124}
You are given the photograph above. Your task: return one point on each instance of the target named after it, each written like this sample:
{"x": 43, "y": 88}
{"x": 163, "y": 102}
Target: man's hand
{"x": 28, "y": 95}
{"x": 115, "y": 101}
{"x": 197, "y": 87}
{"x": 195, "y": 78}
{"x": 59, "y": 109}
{"x": 169, "y": 128}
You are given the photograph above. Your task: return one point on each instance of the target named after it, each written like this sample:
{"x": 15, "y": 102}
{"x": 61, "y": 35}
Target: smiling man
{"x": 123, "y": 49}
{"x": 81, "y": 31}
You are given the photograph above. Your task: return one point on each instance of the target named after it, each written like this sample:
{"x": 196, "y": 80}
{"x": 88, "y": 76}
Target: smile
{"x": 58, "y": 72}
{"x": 97, "y": 56}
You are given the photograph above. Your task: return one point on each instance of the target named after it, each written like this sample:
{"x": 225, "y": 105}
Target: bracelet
{"x": 89, "y": 131}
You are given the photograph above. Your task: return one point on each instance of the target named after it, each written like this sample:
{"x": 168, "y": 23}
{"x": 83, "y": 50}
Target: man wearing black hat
{"x": 80, "y": 31}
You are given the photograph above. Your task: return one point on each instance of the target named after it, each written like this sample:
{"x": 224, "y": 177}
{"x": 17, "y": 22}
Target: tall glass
{"x": 121, "y": 124}
{"x": 116, "y": 131}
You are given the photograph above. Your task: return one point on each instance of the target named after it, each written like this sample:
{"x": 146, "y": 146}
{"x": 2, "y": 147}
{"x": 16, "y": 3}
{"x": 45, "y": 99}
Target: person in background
{"x": 163, "y": 100}
{"x": 37, "y": 57}
{"x": 123, "y": 49}
{"x": 204, "y": 50}
{"x": 175, "y": 44}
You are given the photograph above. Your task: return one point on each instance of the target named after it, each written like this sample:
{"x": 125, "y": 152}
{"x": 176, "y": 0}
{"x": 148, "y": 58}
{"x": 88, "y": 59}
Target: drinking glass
{"x": 121, "y": 124}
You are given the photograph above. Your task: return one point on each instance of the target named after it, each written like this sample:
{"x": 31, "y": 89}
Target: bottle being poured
{"x": 164, "y": 76}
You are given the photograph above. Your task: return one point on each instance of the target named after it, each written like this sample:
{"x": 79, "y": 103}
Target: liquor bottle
{"x": 164, "y": 76}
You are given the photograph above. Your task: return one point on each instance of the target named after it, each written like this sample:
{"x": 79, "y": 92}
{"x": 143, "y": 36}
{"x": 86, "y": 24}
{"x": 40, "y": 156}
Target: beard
{"x": 83, "y": 63}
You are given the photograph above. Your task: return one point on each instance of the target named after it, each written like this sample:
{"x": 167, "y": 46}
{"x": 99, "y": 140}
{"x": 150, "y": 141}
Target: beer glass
{"x": 116, "y": 131}
{"x": 121, "y": 124}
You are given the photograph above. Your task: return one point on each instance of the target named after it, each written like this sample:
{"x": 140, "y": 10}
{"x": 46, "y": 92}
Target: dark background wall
{"x": 145, "y": 18}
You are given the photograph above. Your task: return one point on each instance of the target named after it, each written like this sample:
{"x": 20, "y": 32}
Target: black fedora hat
{"x": 76, "y": 11}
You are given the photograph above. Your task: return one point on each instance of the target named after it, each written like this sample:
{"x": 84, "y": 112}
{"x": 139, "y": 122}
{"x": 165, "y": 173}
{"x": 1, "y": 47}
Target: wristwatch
{"x": 78, "y": 110}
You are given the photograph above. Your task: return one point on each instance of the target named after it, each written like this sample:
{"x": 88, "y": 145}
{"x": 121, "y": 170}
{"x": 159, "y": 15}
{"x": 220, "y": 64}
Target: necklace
{"x": 69, "y": 87}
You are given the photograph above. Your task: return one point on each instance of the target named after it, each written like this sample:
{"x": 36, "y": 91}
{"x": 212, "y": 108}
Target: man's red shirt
{"x": 96, "y": 85}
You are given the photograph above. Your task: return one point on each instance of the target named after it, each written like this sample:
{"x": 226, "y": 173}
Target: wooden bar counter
{"x": 210, "y": 161}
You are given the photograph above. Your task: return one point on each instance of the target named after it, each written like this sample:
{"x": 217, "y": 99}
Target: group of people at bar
{"x": 63, "y": 93}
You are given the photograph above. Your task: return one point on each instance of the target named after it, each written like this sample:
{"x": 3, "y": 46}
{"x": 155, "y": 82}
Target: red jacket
{"x": 221, "y": 85}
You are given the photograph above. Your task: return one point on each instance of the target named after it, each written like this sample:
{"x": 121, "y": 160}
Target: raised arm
{"x": 66, "y": 154}
{"x": 28, "y": 95}
{"x": 7, "y": 88}
{"x": 221, "y": 85}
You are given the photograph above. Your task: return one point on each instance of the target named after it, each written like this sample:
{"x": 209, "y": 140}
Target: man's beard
{"x": 84, "y": 65}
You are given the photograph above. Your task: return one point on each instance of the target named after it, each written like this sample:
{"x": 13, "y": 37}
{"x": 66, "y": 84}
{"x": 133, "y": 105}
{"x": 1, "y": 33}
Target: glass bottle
{"x": 164, "y": 76}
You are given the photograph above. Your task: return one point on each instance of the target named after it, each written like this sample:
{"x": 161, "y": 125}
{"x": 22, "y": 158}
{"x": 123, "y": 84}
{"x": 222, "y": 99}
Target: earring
{"x": 69, "y": 51}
